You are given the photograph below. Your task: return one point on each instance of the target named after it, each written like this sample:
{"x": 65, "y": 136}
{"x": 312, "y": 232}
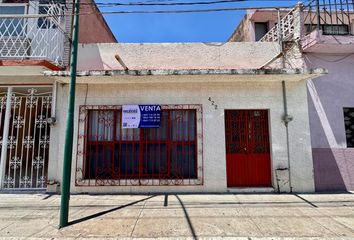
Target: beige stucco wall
{"x": 176, "y": 55}
{"x": 237, "y": 95}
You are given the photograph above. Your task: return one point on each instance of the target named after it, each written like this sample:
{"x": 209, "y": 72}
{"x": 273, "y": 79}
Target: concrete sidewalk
{"x": 241, "y": 216}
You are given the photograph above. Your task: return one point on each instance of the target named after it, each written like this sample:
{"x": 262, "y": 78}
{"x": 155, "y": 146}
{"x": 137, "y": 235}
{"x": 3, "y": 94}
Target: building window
{"x": 261, "y": 29}
{"x": 349, "y": 126}
{"x": 329, "y": 29}
{"x": 11, "y": 26}
{"x": 157, "y": 156}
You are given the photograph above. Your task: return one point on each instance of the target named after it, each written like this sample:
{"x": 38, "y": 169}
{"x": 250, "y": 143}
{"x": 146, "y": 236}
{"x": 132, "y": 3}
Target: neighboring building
{"x": 322, "y": 39}
{"x": 34, "y": 37}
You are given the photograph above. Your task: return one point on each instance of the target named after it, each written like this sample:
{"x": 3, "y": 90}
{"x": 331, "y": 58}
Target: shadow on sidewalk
{"x": 305, "y": 200}
{"x": 107, "y": 211}
{"x": 187, "y": 218}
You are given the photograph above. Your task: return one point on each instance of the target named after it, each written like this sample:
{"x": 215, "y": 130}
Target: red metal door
{"x": 247, "y": 148}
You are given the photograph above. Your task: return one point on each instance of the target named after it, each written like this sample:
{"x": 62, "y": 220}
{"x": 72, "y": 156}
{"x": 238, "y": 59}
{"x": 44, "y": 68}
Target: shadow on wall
{"x": 333, "y": 164}
{"x": 328, "y": 176}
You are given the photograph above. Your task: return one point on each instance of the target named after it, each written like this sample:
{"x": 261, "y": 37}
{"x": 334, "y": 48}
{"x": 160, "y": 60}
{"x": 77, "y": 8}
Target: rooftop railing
{"x": 332, "y": 17}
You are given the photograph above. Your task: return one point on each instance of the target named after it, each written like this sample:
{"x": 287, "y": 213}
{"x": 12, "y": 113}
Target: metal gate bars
{"x": 24, "y": 133}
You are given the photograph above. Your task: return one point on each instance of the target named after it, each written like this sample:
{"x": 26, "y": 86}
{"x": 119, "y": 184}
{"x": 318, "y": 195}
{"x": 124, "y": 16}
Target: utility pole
{"x": 68, "y": 147}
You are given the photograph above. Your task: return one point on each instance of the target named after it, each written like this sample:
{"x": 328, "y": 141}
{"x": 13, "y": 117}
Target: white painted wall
{"x": 236, "y": 95}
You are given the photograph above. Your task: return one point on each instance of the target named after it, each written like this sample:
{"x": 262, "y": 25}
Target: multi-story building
{"x": 34, "y": 37}
{"x": 320, "y": 33}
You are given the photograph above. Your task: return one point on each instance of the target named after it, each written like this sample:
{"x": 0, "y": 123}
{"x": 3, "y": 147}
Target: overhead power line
{"x": 158, "y": 3}
{"x": 149, "y": 11}
{"x": 184, "y": 3}
{"x": 186, "y": 11}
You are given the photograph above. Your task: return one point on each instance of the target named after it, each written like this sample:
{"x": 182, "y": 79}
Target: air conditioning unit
{"x": 15, "y": 47}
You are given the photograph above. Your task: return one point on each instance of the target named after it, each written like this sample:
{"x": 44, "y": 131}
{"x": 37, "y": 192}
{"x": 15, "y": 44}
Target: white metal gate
{"x": 24, "y": 138}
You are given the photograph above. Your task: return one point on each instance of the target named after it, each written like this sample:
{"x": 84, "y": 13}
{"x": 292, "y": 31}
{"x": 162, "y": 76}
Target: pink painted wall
{"x": 333, "y": 161}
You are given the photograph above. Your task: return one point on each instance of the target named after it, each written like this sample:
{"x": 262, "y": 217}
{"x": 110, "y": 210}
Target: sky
{"x": 178, "y": 27}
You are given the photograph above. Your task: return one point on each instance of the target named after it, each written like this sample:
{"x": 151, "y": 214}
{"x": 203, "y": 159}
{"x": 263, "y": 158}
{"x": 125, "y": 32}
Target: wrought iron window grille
{"x": 108, "y": 155}
{"x": 349, "y": 126}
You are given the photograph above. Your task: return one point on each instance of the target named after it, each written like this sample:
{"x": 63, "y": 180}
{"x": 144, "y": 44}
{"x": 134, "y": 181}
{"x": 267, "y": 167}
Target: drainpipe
{"x": 286, "y": 119}
{"x": 68, "y": 147}
{"x": 5, "y": 137}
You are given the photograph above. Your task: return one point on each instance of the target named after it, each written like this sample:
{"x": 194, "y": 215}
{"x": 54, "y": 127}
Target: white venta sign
{"x": 141, "y": 116}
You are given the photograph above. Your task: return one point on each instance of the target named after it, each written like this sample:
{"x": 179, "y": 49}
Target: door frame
{"x": 272, "y": 171}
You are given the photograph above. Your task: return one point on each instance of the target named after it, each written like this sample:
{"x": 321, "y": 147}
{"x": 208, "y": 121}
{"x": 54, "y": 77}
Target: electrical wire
{"x": 100, "y": 4}
{"x": 153, "y": 11}
{"x": 173, "y": 3}
{"x": 180, "y": 11}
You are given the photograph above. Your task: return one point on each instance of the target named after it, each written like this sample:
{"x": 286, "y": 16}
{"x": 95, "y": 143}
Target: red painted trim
{"x": 44, "y": 63}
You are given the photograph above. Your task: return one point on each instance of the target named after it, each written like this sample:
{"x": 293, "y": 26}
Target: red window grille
{"x": 112, "y": 155}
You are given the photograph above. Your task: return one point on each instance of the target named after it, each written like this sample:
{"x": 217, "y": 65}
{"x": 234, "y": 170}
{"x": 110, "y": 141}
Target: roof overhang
{"x": 265, "y": 15}
{"x": 190, "y": 75}
{"x": 26, "y": 80}
{"x": 25, "y": 72}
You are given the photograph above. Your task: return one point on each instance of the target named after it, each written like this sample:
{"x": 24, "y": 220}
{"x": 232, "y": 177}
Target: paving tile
{"x": 208, "y": 198}
{"x": 291, "y": 227}
{"x": 337, "y": 227}
{"x": 346, "y": 221}
{"x": 162, "y": 227}
{"x": 162, "y": 213}
{"x": 107, "y": 212}
{"x": 268, "y": 198}
{"x": 24, "y": 228}
{"x": 99, "y": 228}
{"x": 329, "y": 200}
{"x": 5, "y": 223}
{"x": 211, "y": 212}
{"x": 226, "y": 226}
{"x": 338, "y": 211}
{"x": 271, "y": 211}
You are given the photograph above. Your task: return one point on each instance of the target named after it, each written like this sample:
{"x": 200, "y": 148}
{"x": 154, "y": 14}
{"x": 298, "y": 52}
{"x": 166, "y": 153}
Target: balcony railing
{"x": 332, "y": 17}
{"x": 283, "y": 31}
{"x": 36, "y": 37}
